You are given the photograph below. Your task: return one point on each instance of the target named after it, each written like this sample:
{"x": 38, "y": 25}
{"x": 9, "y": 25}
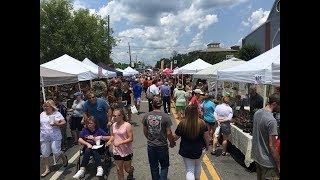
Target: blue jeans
{"x": 156, "y": 155}
{"x": 86, "y": 157}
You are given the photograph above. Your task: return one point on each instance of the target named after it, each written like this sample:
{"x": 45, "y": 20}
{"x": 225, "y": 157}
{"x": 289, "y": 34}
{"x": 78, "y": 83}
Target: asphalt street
{"x": 213, "y": 167}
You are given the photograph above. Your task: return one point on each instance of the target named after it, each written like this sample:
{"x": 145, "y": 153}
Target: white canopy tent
{"x": 68, "y": 64}
{"x": 276, "y": 73}
{"x": 193, "y": 67}
{"x": 50, "y": 77}
{"x": 125, "y": 74}
{"x": 130, "y": 71}
{"x": 106, "y": 73}
{"x": 256, "y": 71}
{"x": 211, "y": 71}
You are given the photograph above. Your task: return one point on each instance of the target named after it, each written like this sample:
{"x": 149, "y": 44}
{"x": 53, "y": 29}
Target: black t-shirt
{"x": 191, "y": 148}
{"x": 126, "y": 96}
{"x": 256, "y": 103}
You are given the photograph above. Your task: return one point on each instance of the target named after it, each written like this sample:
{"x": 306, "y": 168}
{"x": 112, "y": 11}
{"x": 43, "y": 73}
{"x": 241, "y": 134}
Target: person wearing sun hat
{"x": 50, "y": 134}
{"x": 180, "y": 99}
{"x": 195, "y": 97}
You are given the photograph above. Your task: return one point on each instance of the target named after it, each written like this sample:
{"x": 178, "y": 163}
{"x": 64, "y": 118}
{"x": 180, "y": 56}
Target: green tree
{"x": 248, "y": 52}
{"x": 64, "y": 30}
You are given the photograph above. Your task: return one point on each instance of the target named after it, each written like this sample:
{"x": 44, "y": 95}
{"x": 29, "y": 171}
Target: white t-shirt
{"x": 48, "y": 132}
{"x": 154, "y": 89}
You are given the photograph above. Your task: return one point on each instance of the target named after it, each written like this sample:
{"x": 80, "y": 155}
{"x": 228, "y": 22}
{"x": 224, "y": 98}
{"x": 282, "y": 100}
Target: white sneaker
{"x": 99, "y": 171}
{"x": 79, "y": 174}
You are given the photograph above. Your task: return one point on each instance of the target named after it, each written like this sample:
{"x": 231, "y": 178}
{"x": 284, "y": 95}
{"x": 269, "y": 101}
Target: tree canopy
{"x": 77, "y": 33}
{"x": 248, "y": 52}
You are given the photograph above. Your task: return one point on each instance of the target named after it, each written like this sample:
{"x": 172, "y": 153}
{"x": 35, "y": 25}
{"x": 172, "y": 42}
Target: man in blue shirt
{"x": 137, "y": 89}
{"x": 98, "y": 108}
{"x": 165, "y": 95}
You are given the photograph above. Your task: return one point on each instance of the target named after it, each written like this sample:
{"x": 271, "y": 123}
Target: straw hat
{"x": 179, "y": 86}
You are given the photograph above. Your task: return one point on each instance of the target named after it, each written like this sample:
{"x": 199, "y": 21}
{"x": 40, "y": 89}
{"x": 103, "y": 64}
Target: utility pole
{"x": 129, "y": 54}
{"x": 109, "y": 48}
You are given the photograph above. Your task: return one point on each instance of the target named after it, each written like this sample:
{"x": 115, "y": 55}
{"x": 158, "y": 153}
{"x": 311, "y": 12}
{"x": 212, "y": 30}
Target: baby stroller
{"x": 105, "y": 155}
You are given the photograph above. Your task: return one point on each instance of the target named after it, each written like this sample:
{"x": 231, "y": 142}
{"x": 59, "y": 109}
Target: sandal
{"x": 225, "y": 154}
{"x": 45, "y": 174}
{"x": 213, "y": 152}
{"x": 66, "y": 164}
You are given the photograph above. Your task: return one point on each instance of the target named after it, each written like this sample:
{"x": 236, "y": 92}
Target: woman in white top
{"x": 223, "y": 114}
{"x": 50, "y": 134}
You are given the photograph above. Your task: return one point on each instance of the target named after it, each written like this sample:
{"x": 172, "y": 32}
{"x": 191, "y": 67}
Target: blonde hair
{"x": 192, "y": 123}
{"x": 51, "y": 103}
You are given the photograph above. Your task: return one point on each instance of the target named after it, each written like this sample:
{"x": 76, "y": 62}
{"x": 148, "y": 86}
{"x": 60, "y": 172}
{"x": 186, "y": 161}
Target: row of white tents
{"x": 263, "y": 69}
{"x": 66, "y": 70}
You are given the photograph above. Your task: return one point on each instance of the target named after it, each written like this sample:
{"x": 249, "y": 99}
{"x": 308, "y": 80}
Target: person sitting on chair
{"x": 90, "y": 135}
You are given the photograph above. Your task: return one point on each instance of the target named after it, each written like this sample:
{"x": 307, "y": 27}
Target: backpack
{"x": 149, "y": 94}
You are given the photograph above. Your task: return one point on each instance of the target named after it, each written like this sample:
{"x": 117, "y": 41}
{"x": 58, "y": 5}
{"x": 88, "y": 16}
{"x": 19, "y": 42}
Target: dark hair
{"x": 91, "y": 118}
{"x": 275, "y": 97}
{"x": 122, "y": 113}
{"x": 157, "y": 102}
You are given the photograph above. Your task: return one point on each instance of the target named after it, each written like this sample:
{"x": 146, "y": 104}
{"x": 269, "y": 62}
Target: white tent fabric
{"x": 70, "y": 65}
{"x": 256, "y": 71}
{"x": 49, "y": 77}
{"x": 106, "y": 73}
{"x": 211, "y": 72}
{"x": 125, "y": 74}
{"x": 276, "y": 73}
{"x": 194, "y": 67}
{"x": 130, "y": 71}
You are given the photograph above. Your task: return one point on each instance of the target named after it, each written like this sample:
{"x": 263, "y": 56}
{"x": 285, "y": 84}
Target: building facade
{"x": 267, "y": 35}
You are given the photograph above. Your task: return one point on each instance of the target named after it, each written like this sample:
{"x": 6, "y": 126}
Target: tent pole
{"x": 43, "y": 92}
{"x": 91, "y": 83}
{"x": 79, "y": 86}
{"x": 264, "y": 95}
{"x": 216, "y": 94}
{"x": 223, "y": 89}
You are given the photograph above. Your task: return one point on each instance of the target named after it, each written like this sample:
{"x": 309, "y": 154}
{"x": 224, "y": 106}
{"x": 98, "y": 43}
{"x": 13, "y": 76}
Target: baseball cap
{"x": 198, "y": 91}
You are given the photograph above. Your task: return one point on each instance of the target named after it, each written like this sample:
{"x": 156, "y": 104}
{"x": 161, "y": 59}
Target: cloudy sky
{"x": 156, "y": 28}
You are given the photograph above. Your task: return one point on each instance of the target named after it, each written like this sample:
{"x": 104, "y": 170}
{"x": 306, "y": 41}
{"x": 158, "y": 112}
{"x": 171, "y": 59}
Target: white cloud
{"x": 244, "y": 23}
{"x": 207, "y": 4}
{"x": 257, "y": 18}
{"x": 157, "y": 26}
{"x": 77, "y": 4}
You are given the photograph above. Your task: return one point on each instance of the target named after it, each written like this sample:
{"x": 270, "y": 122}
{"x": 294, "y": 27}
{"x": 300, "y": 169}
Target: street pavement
{"x": 213, "y": 167}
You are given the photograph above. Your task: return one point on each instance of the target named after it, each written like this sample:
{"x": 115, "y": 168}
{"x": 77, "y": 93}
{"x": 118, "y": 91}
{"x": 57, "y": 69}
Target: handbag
{"x": 134, "y": 109}
{"x": 149, "y": 94}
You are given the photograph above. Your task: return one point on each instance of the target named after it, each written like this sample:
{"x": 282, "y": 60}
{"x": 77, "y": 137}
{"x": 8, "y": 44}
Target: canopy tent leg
{"x": 91, "y": 83}
{"x": 216, "y": 94}
{"x": 264, "y": 95}
{"x": 43, "y": 92}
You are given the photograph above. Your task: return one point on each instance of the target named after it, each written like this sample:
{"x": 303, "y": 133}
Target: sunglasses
{"x": 91, "y": 97}
{"x": 117, "y": 115}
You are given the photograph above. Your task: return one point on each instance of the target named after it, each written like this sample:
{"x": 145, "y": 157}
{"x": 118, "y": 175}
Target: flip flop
{"x": 65, "y": 165}
{"x": 45, "y": 174}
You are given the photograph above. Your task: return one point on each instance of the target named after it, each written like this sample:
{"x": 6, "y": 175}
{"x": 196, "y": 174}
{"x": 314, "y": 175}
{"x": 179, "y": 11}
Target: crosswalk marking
{"x": 205, "y": 159}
